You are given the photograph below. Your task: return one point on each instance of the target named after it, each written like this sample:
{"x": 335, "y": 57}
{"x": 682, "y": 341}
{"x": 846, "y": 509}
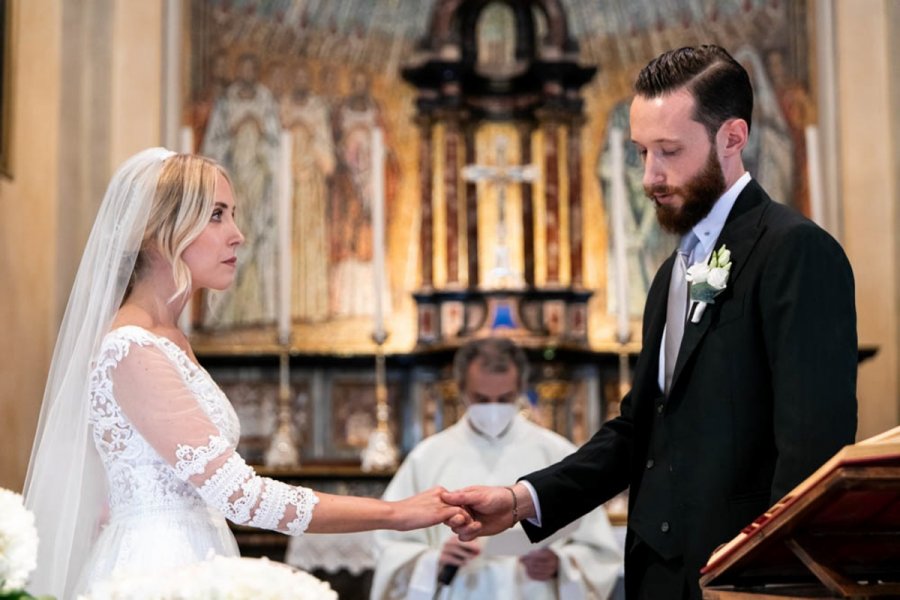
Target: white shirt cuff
{"x": 536, "y": 519}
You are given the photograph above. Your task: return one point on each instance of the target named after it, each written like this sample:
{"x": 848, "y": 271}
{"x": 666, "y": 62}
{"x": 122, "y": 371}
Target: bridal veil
{"x": 65, "y": 486}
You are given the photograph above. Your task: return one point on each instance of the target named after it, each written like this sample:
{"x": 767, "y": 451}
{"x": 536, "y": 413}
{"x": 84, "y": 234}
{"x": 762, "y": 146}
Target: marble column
{"x": 576, "y": 214}
{"x": 471, "y": 210}
{"x": 551, "y": 199}
{"x": 451, "y": 197}
{"x": 525, "y": 131}
{"x": 426, "y": 230}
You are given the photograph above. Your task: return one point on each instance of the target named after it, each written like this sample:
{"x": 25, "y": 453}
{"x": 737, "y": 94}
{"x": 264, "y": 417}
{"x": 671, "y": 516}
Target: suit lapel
{"x": 741, "y": 232}
{"x": 655, "y": 321}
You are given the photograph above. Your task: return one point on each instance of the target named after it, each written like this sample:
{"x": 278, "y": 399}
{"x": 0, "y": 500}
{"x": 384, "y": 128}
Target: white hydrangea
{"x": 18, "y": 542}
{"x": 221, "y": 578}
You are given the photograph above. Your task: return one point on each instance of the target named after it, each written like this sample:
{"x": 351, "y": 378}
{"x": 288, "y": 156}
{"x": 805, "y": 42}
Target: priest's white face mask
{"x": 491, "y": 397}
{"x": 491, "y": 419}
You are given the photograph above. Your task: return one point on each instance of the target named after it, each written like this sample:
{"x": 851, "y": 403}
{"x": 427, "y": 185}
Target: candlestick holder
{"x": 282, "y": 451}
{"x": 380, "y": 453}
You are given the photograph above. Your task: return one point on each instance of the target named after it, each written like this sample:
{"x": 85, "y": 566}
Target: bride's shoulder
{"x": 127, "y": 340}
{"x": 140, "y": 334}
{"x": 122, "y": 337}
{"x": 132, "y": 326}
{"x": 129, "y": 333}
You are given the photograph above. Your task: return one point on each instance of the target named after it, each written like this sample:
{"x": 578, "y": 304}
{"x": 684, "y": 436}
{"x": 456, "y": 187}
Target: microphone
{"x": 448, "y": 572}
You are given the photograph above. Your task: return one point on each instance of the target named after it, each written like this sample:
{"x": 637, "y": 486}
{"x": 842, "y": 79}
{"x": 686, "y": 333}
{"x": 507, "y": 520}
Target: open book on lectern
{"x": 843, "y": 492}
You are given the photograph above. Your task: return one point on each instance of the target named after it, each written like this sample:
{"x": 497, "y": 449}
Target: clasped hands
{"x": 477, "y": 511}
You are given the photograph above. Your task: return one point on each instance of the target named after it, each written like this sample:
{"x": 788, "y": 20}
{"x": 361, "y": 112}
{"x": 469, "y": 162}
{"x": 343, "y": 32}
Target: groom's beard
{"x": 700, "y": 194}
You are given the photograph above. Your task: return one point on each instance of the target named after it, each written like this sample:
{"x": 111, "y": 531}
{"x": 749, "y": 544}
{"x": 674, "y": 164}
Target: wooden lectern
{"x": 836, "y": 535}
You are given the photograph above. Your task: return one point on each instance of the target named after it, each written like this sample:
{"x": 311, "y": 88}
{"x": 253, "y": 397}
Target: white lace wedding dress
{"x": 167, "y": 435}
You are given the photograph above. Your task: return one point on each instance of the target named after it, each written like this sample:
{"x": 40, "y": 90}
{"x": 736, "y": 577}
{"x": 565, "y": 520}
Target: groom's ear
{"x": 732, "y": 137}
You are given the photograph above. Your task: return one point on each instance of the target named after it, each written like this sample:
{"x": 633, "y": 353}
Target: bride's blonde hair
{"x": 182, "y": 206}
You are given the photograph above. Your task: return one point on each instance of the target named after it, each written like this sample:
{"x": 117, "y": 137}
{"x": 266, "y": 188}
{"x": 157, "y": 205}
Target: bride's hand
{"x": 426, "y": 509}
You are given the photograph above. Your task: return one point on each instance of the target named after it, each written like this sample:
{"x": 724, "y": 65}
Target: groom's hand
{"x": 491, "y": 509}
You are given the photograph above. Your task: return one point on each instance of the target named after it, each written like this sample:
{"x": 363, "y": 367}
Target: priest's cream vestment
{"x": 407, "y": 567}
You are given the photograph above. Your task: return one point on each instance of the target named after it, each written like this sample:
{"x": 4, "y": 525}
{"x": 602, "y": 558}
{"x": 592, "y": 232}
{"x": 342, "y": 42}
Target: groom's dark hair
{"x": 719, "y": 84}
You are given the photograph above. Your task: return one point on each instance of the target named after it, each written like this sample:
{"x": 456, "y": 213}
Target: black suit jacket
{"x": 764, "y": 392}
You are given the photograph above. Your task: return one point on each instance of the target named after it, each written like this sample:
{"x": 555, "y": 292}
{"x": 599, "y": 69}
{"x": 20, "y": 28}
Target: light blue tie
{"x": 676, "y": 309}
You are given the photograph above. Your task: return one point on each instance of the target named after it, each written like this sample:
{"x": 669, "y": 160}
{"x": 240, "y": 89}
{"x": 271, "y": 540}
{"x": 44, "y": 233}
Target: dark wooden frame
{"x": 840, "y": 530}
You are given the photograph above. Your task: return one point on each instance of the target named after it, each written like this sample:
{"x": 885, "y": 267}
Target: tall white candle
{"x": 283, "y": 214}
{"x": 378, "y": 229}
{"x": 186, "y": 141}
{"x": 814, "y": 175}
{"x": 186, "y": 146}
{"x": 618, "y": 204}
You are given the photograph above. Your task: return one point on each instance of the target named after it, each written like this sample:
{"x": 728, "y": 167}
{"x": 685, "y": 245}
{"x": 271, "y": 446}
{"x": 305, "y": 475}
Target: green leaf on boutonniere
{"x": 709, "y": 279}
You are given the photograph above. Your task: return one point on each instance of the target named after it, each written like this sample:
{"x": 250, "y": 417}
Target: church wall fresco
{"x": 329, "y": 71}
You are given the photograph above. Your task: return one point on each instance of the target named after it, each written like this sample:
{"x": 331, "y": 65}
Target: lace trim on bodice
{"x": 145, "y": 473}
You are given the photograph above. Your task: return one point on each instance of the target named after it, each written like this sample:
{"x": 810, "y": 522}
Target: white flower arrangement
{"x": 18, "y": 544}
{"x": 708, "y": 280}
{"x": 221, "y": 578}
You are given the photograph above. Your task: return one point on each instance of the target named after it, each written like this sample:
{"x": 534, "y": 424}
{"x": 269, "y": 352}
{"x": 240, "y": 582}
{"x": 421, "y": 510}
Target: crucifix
{"x": 502, "y": 275}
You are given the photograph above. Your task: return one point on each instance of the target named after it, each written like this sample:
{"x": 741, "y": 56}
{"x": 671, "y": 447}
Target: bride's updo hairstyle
{"x": 182, "y": 206}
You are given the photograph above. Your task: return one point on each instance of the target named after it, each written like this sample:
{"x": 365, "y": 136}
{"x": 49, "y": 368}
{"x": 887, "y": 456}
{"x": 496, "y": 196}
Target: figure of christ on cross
{"x": 502, "y": 275}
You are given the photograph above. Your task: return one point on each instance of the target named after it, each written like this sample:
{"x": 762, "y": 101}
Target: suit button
{"x": 664, "y": 527}
{"x": 660, "y": 408}
{"x": 649, "y": 463}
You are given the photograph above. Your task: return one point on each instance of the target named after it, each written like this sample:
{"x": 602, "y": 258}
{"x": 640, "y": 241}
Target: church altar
{"x": 432, "y": 171}
{"x": 493, "y": 243}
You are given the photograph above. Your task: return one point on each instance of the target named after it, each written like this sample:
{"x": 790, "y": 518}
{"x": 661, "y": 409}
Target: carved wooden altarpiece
{"x": 497, "y": 79}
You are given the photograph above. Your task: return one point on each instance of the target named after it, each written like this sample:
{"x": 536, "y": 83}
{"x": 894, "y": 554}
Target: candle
{"x": 186, "y": 146}
{"x": 378, "y": 231}
{"x": 816, "y": 202}
{"x": 283, "y": 214}
{"x": 186, "y": 142}
{"x": 618, "y": 204}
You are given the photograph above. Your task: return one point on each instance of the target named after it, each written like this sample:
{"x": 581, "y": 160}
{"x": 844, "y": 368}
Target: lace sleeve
{"x": 154, "y": 397}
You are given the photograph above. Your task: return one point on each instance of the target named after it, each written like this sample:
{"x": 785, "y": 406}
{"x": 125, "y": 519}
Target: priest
{"x": 493, "y": 443}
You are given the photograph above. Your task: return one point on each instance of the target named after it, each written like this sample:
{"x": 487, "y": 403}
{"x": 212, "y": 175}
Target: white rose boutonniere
{"x": 708, "y": 280}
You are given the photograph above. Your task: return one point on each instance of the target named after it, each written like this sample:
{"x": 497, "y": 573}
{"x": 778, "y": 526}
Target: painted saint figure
{"x": 305, "y": 115}
{"x": 243, "y": 135}
{"x": 204, "y": 102}
{"x": 351, "y": 208}
{"x": 647, "y": 245}
{"x": 769, "y": 155}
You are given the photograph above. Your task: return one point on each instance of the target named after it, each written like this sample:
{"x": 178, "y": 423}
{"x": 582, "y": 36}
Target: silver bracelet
{"x": 515, "y": 508}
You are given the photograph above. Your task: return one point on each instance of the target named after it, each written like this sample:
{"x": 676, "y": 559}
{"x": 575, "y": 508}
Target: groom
{"x": 735, "y": 405}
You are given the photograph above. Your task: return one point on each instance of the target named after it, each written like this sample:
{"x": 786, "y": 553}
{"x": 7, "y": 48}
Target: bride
{"x": 134, "y": 467}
